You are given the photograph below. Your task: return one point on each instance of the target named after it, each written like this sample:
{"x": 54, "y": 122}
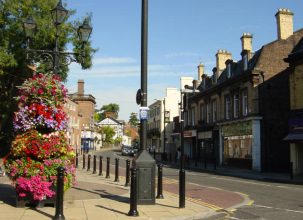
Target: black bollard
{"x": 291, "y": 173}
{"x": 77, "y": 161}
{"x": 205, "y": 158}
{"x": 127, "y": 173}
{"x": 83, "y": 161}
{"x": 215, "y": 163}
{"x": 160, "y": 188}
{"x": 133, "y": 193}
{"x": 88, "y": 163}
{"x": 117, "y": 170}
{"x": 100, "y": 166}
{"x": 95, "y": 165}
{"x": 59, "y": 194}
{"x": 107, "y": 167}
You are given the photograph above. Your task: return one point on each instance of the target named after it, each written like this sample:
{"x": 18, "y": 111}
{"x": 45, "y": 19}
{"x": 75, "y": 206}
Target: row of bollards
{"x": 130, "y": 178}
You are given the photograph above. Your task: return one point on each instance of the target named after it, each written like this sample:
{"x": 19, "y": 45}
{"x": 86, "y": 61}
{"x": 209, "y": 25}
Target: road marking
{"x": 269, "y": 207}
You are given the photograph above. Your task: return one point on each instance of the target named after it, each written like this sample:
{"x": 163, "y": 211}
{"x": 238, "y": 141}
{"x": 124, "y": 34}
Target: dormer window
{"x": 245, "y": 62}
{"x": 228, "y": 70}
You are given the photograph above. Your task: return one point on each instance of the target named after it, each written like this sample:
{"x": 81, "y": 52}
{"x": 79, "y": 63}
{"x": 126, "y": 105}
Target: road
{"x": 267, "y": 200}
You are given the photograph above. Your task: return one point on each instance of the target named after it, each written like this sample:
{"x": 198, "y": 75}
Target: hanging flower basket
{"x": 40, "y": 145}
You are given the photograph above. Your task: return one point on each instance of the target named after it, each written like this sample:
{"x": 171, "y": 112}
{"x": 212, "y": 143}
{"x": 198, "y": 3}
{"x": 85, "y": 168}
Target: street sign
{"x": 143, "y": 113}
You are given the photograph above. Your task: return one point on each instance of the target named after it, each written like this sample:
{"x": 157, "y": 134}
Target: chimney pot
{"x": 81, "y": 87}
{"x": 284, "y": 18}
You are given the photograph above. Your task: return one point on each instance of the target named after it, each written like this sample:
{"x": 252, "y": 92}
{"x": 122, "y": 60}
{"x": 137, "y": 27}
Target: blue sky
{"x": 182, "y": 34}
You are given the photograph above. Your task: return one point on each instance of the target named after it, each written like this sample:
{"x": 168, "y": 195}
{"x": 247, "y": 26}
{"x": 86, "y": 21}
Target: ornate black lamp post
{"x": 58, "y": 14}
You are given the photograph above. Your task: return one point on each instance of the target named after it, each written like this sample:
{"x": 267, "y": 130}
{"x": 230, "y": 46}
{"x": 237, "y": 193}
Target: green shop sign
{"x": 241, "y": 128}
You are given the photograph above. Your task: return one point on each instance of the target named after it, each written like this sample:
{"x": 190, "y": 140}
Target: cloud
{"x": 113, "y": 60}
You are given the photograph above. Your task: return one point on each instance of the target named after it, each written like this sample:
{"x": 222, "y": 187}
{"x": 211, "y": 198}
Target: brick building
{"x": 86, "y": 108}
{"x": 295, "y": 121}
{"x": 240, "y": 114}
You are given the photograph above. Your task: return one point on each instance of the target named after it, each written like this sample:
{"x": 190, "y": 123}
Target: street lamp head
{"x": 84, "y": 31}
{"x": 59, "y": 13}
{"x": 29, "y": 26}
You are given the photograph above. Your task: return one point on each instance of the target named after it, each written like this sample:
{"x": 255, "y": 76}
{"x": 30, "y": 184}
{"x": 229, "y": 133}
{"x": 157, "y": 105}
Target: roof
{"x": 109, "y": 121}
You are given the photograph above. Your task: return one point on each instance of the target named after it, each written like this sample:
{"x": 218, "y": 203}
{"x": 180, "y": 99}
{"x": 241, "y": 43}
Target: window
{"x": 208, "y": 113}
{"x": 193, "y": 118}
{"x": 229, "y": 70}
{"x": 236, "y": 105}
{"x": 244, "y": 102}
{"x": 227, "y": 107}
{"x": 202, "y": 112}
{"x": 214, "y": 110}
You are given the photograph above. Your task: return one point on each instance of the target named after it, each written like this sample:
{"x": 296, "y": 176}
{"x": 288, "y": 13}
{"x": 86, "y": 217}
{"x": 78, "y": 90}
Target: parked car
{"x": 128, "y": 150}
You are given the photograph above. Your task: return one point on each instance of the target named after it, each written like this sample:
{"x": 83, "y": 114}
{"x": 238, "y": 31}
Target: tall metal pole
{"x": 56, "y": 54}
{"x": 143, "y": 123}
{"x": 182, "y": 170}
{"x": 164, "y": 130}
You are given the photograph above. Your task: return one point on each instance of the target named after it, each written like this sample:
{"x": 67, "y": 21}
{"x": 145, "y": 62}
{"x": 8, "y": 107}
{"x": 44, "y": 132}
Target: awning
{"x": 293, "y": 137}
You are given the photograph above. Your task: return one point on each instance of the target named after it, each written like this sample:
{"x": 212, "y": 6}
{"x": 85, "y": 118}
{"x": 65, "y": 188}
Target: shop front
{"x": 190, "y": 144}
{"x": 241, "y": 144}
{"x": 295, "y": 139}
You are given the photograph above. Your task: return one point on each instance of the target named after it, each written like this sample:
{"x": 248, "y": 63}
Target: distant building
{"x": 86, "y": 108}
{"x": 115, "y": 124}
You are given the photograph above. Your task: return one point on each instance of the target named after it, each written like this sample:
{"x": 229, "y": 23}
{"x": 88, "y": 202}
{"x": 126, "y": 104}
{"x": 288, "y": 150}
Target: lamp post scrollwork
{"x": 55, "y": 57}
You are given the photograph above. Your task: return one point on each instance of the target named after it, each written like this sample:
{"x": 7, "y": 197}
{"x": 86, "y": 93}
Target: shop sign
{"x": 237, "y": 129}
{"x": 205, "y": 135}
{"x": 191, "y": 133}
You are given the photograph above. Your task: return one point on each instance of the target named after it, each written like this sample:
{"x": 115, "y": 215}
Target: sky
{"x": 181, "y": 35}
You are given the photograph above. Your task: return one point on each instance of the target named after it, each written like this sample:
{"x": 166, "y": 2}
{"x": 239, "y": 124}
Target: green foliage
{"x": 118, "y": 140}
{"x": 112, "y": 107}
{"x": 109, "y": 134}
{"x": 133, "y": 120}
{"x": 13, "y": 64}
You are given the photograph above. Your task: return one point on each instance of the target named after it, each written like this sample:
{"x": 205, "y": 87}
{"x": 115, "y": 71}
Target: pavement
{"x": 97, "y": 197}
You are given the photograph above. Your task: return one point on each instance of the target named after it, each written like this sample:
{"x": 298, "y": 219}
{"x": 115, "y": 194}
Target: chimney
{"x": 81, "y": 87}
{"x": 214, "y": 76}
{"x": 246, "y": 40}
{"x": 285, "y": 27}
{"x": 222, "y": 56}
{"x": 200, "y": 71}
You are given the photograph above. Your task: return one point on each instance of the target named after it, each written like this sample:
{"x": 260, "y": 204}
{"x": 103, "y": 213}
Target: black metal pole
{"x": 107, "y": 167}
{"x": 160, "y": 184}
{"x": 127, "y": 173}
{"x": 100, "y": 166}
{"x": 291, "y": 172}
{"x": 205, "y": 158}
{"x": 143, "y": 122}
{"x": 117, "y": 170}
{"x": 59, "y": 194}
{"x": 182, "y": 170}
{"x": 95, "y": 165}
{"x": 133, "y": 193}
{"x": 88, "y": 163}
{"x": 83, "y": 161}
{"x": 56, "y": 54}
{"x": 77, "y": 160}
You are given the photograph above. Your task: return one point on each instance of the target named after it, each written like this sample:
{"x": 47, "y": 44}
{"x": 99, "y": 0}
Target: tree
{"x": 110, "y": 108}
{"x": 133, "y": 120}
{"x": 13, "y": 64}
{"x": 109, "y": 133}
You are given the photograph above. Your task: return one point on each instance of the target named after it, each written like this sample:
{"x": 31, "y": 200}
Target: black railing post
{"x": 77, "y": 160}
{"x": 83, "y": 161}
{"x": 205, "y": 158}
{"x": 133, "y": 193}
{"x": 107, "y": 167}
{"x": 127, "y": 173}
{"x": 117, "y": 170}
{"x": 95, "y": 165}
{"x": 59, "y": 194}
{"x": 291, "y": 171}
{"x": 100, "y": 166}
{"x": 88, "y": 163}
{"x": 160, "y": 174}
